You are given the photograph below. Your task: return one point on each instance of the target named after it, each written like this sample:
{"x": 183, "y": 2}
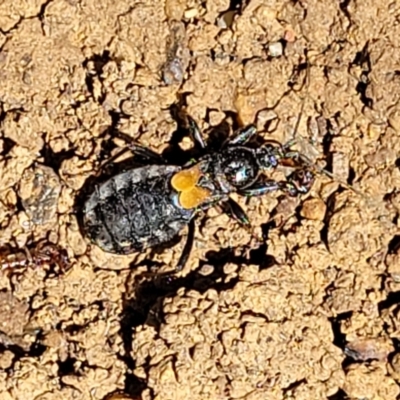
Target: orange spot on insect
{"x": 186, "y": 179}
{"x": 194, "y": 197}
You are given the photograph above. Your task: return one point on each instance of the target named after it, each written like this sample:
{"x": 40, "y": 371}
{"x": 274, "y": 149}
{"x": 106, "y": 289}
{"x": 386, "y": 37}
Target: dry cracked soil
{"x": 310, "y": 313}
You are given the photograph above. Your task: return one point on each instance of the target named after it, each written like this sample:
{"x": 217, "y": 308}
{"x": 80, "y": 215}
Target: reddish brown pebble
{"x": 313, "y": 209}
{"x": 290, "y": 36}
{"x": 369, "y": 349}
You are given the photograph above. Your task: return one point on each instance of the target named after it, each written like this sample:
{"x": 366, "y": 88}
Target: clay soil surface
{"x": 312, "y": 312}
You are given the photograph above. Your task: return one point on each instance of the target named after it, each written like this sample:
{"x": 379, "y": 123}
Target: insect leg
{"x": 188, "y": 246}
{"x": 141, "y": 151}
{"x": 234, "y": 210}
{"x": 146, "y": 153}
{"x": 263, "y": 187}
{"x": 196, "y": 133}
{"x": 242, "y": 136}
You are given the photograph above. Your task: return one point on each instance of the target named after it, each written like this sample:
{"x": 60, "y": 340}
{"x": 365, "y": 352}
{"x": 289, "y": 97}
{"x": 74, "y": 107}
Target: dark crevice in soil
{"x": 330, "y": 207}
{"x": 392, "y": 299}
{"x": 352, "y": 176}
{"x": 2, "y": 112}
{"x": 41, "y": 14}
{"x": 361, "y": 89}
{"x": 394, "y": 244}
{"x": 8, "y": 145}
{"x": 343, "y": 5}
{"x": 98, "y": 61}
{"x": 286, "y": 391}
{"x": 260, "y": 257}
{"x": 238, "y": 5}
{"x": 55, "y": 160}
{"x": 14, "y": 27}
{"x": 134, "y": 386}
{"x": 396, "y": 345}
{"x": 327, "y": 143}
{"x": 36, "y": 350}
{"x": 339, "y": 338}
{"x": 66, "y": 367}
{"x": 339, "y": 395}
{"x": 362, "y": 59}
{"x": 297, "y": 76}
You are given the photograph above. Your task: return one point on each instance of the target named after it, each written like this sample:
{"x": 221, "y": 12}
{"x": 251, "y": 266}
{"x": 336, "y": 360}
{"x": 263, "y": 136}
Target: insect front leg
{"x": 299, "y": 182}
{"x": 196, "y": 133}
{"x": 242, "y": 136}
{"x": 263, "y": 186}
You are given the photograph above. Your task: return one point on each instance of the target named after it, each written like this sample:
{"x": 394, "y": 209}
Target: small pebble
{"x": 230, "y": 268}
{"x": 216, "y": 117}
{"x": 6, "y": 359}
{"x": 191, "y": 13}
{"x": 225, "y": 37}
{"x": 313, "y": 209}
{"x": 340, "y": 165}
{"x": 275, "y": 49}
{"x": 375, "y": 130}
{"x": 290, "y": 36}
{"x": 318, "y": 128}
{"x": 174, "y": 9}
{"x": 172, "y": 72}
{"x": 365, "y": 349}
{"x": 39, "y": 191}
{"x": 206, "y": 269}
{"x": 177, "y": 55}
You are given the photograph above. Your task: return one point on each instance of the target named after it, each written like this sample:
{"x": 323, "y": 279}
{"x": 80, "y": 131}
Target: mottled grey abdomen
{"x": 134, "y": 210}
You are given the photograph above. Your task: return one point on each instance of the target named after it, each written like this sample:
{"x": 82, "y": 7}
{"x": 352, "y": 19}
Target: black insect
{"x": 150, "y": 205}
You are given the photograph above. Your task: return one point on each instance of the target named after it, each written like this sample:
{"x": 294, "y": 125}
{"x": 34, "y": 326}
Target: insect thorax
{"x": 238, "y": 166}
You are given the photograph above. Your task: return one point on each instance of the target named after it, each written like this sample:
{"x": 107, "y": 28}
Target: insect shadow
{"x": 145, "y": 297}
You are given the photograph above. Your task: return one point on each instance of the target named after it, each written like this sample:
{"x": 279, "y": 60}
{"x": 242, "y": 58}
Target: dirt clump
{"x": 312, "y": 313}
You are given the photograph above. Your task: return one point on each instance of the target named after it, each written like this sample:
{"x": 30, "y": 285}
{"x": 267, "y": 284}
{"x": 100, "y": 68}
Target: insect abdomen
{"x": 132, "y": 211}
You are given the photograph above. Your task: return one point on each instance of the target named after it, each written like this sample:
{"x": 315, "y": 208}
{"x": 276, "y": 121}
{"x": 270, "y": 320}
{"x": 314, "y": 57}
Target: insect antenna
{"x": 304, "y": 160}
